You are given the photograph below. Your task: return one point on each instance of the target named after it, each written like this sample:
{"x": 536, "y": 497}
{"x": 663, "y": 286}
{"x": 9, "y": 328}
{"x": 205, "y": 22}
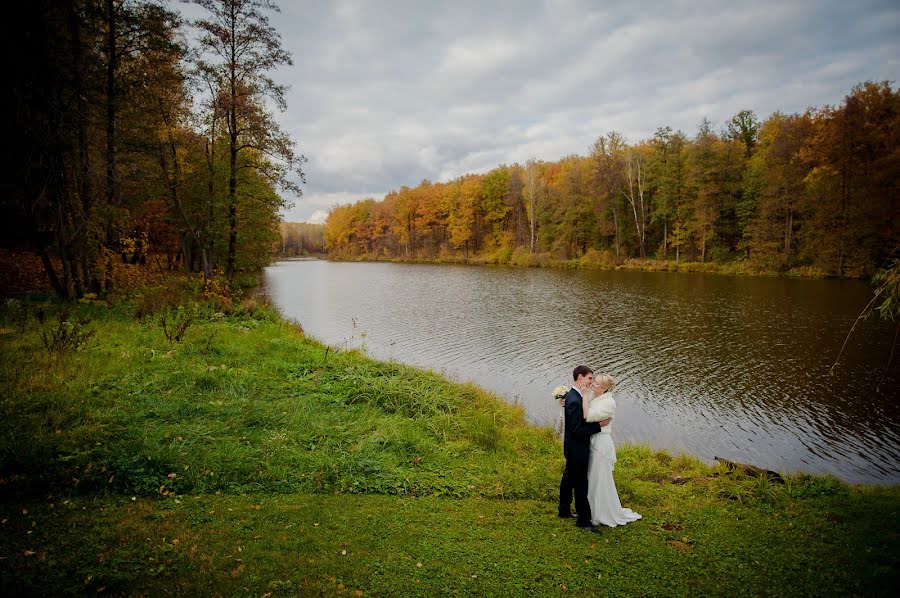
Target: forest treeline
{"x": 817, "y": 191}
{"x": 302, "y": 238}
{"x": 137, "y": 135}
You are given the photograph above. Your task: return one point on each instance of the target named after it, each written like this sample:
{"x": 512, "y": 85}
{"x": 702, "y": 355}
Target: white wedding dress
{"x": 602, "y": 495}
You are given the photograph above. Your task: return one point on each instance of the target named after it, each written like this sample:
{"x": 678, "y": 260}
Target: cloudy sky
{"x": 385, "y": 94}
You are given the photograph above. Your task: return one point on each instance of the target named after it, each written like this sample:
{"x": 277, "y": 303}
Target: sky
{"x": 385, "y": 94}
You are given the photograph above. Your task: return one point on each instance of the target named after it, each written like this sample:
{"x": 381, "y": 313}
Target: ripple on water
{"x": 712, "y": 365}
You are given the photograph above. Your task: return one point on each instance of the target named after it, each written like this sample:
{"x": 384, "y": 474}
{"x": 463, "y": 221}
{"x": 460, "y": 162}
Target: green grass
{"x": 247, "y": 459}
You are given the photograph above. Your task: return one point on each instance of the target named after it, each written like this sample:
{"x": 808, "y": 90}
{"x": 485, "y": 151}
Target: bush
{"x": 504, "y": 255}
{"x": 173, "y": 293}
{"x": 217, "y": 294}
{"x": 597, "y": 259}
{"x": 175, "y": 324}
{"x": 68, "y": 334}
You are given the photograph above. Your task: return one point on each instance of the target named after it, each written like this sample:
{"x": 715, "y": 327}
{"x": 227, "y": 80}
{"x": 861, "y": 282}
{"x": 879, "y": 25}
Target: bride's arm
{"x": 600, "y": 409}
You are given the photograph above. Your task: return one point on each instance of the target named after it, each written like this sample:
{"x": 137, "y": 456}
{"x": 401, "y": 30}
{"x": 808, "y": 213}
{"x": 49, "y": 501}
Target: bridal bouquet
{"x": 559, "y": 392}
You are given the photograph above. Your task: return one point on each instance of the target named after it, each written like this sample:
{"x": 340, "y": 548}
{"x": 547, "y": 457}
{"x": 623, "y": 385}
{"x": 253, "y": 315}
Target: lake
{"x": 711, "y": 365}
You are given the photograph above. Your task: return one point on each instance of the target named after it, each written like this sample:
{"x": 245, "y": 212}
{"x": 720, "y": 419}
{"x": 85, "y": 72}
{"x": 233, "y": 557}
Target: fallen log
{"x": 751, "y": 470}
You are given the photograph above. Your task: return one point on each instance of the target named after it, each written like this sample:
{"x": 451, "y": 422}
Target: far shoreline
{"x": 738, "y": 268}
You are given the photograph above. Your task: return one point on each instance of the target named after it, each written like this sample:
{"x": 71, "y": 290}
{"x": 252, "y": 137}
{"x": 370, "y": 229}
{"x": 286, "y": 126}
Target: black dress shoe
{"x": 589, "y": 528}
{"x": 565, "y": 515}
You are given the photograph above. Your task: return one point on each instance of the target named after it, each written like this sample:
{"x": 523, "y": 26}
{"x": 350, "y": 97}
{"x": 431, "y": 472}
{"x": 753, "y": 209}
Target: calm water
{"x": 709, "y": 365}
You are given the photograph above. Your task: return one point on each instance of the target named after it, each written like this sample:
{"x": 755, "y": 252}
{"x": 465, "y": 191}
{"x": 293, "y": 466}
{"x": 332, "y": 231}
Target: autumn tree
{"x": 667, "y": 178}
{"x": 531, "y": 189}
{"x": 744, "y": 128}
{"x": 781, "y": 173}
{"x": 240, "y": 48}
{"x": 813, "y": 186}
{"x": 606, "y": 154}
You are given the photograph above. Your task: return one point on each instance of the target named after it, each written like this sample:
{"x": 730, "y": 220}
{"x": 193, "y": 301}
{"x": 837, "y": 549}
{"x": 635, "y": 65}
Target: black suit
{"x": 577, "y": 449}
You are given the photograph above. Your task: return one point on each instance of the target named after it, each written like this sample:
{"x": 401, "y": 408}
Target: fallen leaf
{"x": 343, "y": 553}
{"x": 358, "y": 592}
{"x": 340, "y": 587}
{"x": 568, "y": 566}
{"x": 29, "y": 553}
{"x": 419, "y": 565}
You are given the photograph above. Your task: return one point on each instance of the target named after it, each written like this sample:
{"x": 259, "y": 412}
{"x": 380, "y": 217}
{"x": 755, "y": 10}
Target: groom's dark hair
{"x": 581, "y": 370}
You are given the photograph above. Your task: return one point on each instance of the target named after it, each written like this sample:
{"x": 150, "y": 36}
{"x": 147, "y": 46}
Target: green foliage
{"x": 67, "y": 333}
{"x": 597, "y": 259}
{"x": 175, "y": 324}
{"x": 888, "y": 292}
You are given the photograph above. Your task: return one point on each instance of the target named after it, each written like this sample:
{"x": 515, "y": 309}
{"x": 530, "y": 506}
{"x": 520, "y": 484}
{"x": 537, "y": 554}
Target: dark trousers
{"x": 575, "y": 479}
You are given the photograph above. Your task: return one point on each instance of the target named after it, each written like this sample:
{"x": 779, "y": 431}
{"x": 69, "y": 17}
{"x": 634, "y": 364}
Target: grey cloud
{"x": 385, "y": 94}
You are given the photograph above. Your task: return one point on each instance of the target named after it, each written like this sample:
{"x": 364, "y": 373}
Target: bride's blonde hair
{"x": 605, "y": 382}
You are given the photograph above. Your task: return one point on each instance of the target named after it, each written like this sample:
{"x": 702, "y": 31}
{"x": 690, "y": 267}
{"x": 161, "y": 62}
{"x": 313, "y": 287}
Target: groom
{"x": 576, "y": 448}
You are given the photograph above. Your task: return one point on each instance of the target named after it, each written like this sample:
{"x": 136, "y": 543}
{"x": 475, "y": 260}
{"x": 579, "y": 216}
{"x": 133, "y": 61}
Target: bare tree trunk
{"x": 634, "y": 178}
{"x": 616, "y": 225}
{"x": 703, "y": 246}
{"x": 233, "y": 151}
{"x": 111, "y": 66}
{"x": 531, "y": 189}
{"x": 85, "y": 188}
{"x": 666, "y": 240}
{"x": 640, "y": 182}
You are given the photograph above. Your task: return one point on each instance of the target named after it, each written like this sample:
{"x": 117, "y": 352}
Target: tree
{"x": 744, "y": 127}
{"x": 608, "y": 170}
{"x": 667, "y": 176}
{"x": 237, "y": 34}
{"x": 493, "y": 206}
{"x": 635, "y": 173}
{"x": 853, "y": 157}
{"x": 780, "y": 171}
{"x": 531, "y": 188}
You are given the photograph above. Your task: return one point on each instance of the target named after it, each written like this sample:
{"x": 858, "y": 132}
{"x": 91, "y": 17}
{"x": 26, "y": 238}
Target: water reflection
{"x": 710, "y": 365}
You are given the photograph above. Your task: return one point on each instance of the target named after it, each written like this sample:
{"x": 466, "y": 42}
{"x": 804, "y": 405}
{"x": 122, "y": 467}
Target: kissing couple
{"x": 590, "y": 454}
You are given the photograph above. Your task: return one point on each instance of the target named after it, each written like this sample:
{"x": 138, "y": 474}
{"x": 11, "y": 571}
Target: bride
{"x": 602, "y": 495}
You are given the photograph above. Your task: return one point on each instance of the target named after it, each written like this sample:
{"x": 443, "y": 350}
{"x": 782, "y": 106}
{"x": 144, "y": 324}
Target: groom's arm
{"x": 578, "y": 426}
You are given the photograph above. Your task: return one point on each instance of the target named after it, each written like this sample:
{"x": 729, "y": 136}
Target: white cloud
{"x": 318, "y": 217}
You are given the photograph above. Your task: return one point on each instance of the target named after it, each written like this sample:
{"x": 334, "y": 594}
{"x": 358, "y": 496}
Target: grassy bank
{"x": 246, "y": 458}
{"x": 600, "y": 260}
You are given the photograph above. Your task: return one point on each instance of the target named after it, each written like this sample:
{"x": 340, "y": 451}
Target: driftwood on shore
{"x": 730, "y": 467}
{"x": 751, "y": 470}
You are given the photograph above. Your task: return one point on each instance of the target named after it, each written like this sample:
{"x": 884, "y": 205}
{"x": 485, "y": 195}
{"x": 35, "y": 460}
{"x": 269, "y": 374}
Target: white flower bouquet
{"x": 559, "y": 393}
